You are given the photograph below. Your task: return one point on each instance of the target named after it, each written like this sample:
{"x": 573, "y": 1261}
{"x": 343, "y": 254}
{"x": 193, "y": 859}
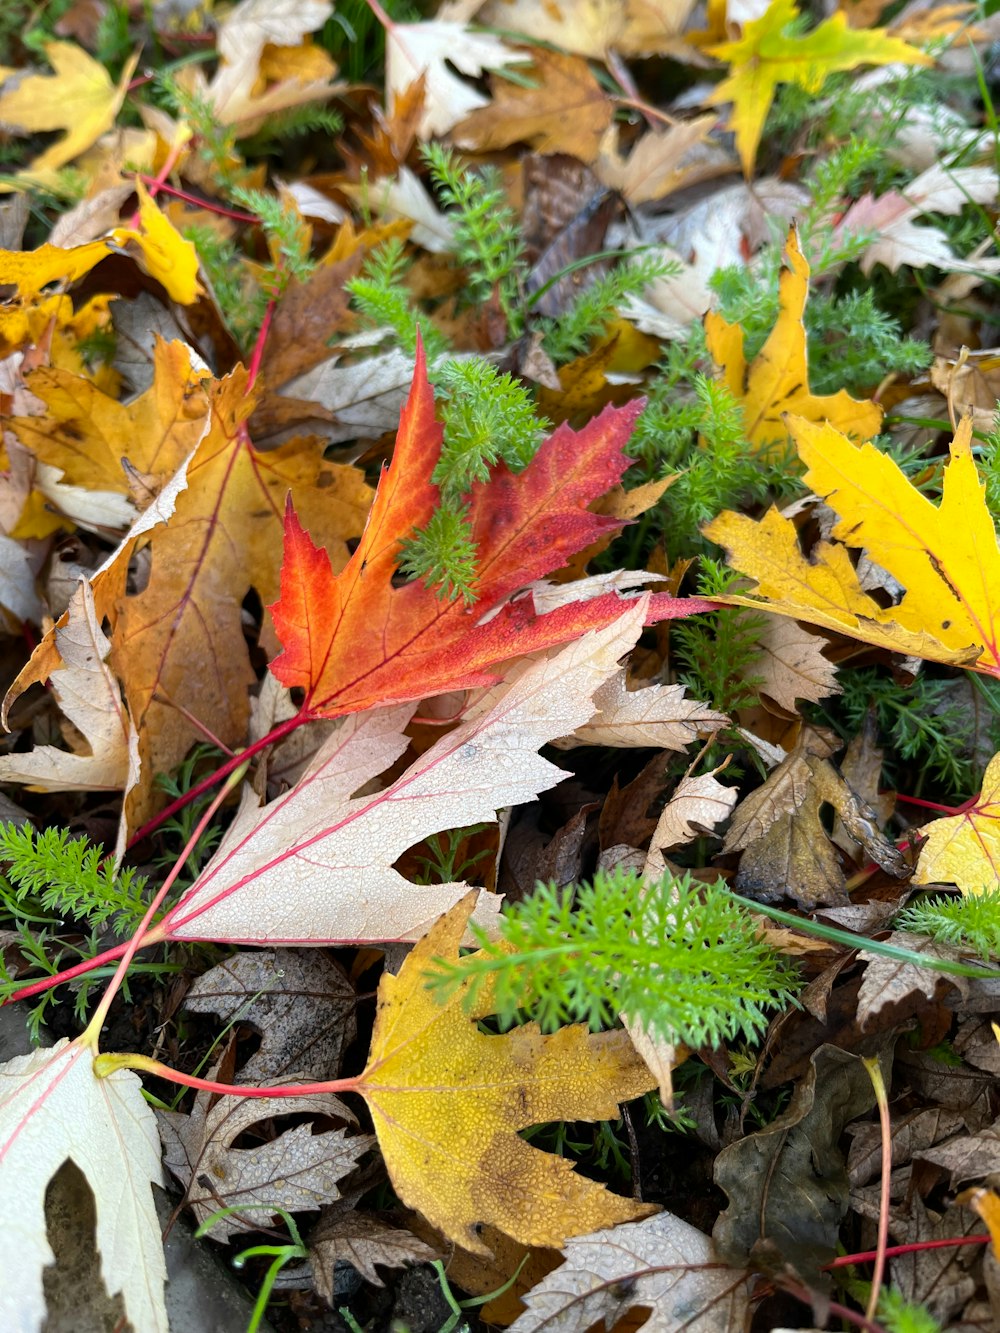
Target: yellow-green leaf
{"x": 770, "y": 52}
{"x": 448, "y": 1100}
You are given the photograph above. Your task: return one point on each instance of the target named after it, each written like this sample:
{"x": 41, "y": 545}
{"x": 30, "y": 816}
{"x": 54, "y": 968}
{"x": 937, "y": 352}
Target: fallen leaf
{"x": 561, "y": 108}
{"x": 78, "y": 98}
{"x": 365, "y": 398}
{"x": 789, "y": 664}
{"x": 945, "y": 556}
{"x": 592, "y": 28}
{"x": 424, "y": 50}
{"x": 964, "y": 849}
{"x": 296, "y": 1170}
{"x": 696, "y": 806}
{"x": 771, "y": 50}
{"x": 654, "y": 715}
{"x": 656, "y": 165}
{"x": 363, "y": 1241}
{"x": 354, "y": 640}
{"x": 907, "y": 987}
{"x": 316, "y": 866}
{"x": 87, "y": 434}
{"x": 662, "y": 1264}
{"x": 88, "y": 696}
{"x": 301, "y": 1004}
{"x": 447, "y": 1101}
{"x": 54, "y": 1108}
{"x": 777, "y": 380}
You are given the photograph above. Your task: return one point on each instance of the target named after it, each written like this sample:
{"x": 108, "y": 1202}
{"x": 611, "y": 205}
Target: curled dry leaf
{"x": 90, "y": 700}
{"x": 662, "y": 1263}
{"x": 907, "y": 986}
{"x": 54, "y": 1108}
{"x": 448, "y": 1100}
{"x": 297, "y": 1170}
{"x": 777, "y": 380}
{"x": 789, "y": 664}
{"x": 697, "y": 805}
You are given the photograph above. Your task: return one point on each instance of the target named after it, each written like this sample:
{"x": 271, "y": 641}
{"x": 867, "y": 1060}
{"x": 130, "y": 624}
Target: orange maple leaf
{"x": 353, "y": 640}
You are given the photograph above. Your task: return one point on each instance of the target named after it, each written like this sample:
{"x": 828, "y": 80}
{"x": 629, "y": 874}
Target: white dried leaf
{"x": 54, "y": 1108}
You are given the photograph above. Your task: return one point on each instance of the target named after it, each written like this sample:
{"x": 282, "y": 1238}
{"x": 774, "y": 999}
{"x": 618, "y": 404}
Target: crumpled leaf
{"x": 53, "y": 1107}
{"x": 426, "y": 49}
{"x": 447, "y": 1101}
{"x": 662, "y": 1263}
{"x": 767, "y": 54}
{"x": 296, "y": 1170}
{"x": 697, "y": 804}
{"x": 78, "y": 98}
{"x": 777, "y": 380}
{"x": 316, "y": 866}
{"x": 364, "y": 1241}
{"x": 592, "y": 28}
{"x": 301, "y": 1003}
{"x": 655, "y": 715}
{"x": 889, "y": 981}
{"x": 945, "y": 556}
{"x": 658, "y": 164}
{"x": 561, "y": 109}
{"x": 964, "y": 849}
{"x": 354, "y": 640}
{"x": 102, "y": 737}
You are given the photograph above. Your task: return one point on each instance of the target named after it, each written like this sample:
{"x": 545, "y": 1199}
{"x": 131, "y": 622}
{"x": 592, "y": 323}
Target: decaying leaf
{"x": 447, "y": 1101}
{"x": 301, "y": 1004}
{"x": 658, "y": 164}
{"x": 298, "y": 1169}
{"x": 100, "y": 733}
{"x": 696, "y": 806}
{"x": 945, "y": 556}
{"x": 789, "y": 664}
{"x": 662, "y": 1263}
{"x": 364, "y": 1241}
{"x": 776, "y": 382}
{"x": 887, "y": 981}
{"x": 771, "y": 51}
{"x": 315, "y": 865}
{"x": 964, "y": 849}
{"x": 592, "y": 28}
{"x": 53, "y": 1107}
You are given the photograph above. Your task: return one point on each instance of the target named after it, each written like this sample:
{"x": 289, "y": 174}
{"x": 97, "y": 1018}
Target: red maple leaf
{"x": 354, "y": 640}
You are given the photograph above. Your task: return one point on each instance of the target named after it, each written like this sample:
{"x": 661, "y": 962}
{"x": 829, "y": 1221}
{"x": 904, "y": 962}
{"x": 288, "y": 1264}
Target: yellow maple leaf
{"x": 777, "y": 380}
{"x": 78, "y": 98}
{"x": 964, "y": 849}
{"x": 945, "y": 556}
{"x": 165, "y": 254}
{"x": 770, "y": 52}
{"x": 447, "y": 1101}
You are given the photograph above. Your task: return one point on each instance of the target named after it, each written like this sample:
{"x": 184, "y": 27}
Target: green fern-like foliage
{"x": 443, "y": 554}
{"x": 680, "y": 956}
{"x": 971, "y": 922}
{"x": 381, "y": 297}
{"x": 488, "y": 243}
{"x": 71, "y": 877}
{"x": 897, "y": 1315}
{"x": 716, "y": 652}
{"x": 589, "y": 316}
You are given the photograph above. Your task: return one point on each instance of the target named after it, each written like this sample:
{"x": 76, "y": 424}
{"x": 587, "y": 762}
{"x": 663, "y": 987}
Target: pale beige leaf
{"x": 89, "y": 698}
{"x": 593, "y": 27}
{"x": 297, "y": 1170}
{"x": 318, "y": 865}
{"x": 656, "y": 165}
{"x": 660, "y": 716}
{"x": 53, "y": 1108}
{"x": 242, "y": 37}
{"x": 661, "y": 1264}
{"x": 790, "y": 664}
{"x": 18, "y": 594}
{"x": 366, "y": 396}
{"x": 415, "y": 49}
{"x": 697, "y": 806}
